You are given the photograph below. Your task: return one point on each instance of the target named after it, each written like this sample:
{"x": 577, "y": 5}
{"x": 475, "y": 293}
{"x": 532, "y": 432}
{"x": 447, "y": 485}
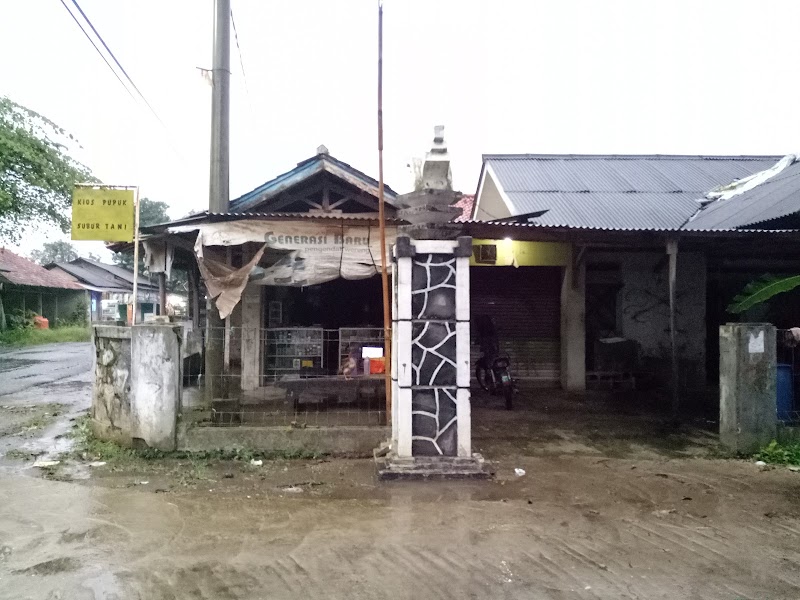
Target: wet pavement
{"x": 25, "y": 368}
{"x": 41, "y": 389}
{"x": 603, "y": 510}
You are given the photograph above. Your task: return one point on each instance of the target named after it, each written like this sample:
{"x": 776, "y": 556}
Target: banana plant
{"x": 762, "y": 290}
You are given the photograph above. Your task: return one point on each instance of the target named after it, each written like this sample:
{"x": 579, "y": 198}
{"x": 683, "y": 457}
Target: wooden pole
{"x": 135, "y": 253}
{"x": 162, "y": 294}
{"x": 226, "y": 349}
{"x": 194, "y": 295}
{"x": 387, "y": 319}
{"x": 672, "y": 251}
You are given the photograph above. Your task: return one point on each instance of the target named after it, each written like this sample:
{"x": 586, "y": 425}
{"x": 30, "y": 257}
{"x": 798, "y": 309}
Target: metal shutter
{"x": 525, "y": 305}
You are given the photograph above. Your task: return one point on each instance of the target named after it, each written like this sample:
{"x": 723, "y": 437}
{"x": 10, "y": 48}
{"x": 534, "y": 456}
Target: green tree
{"x": 37, "y": 173}
{"x": 58, "y": 251}
{"x": 151, "y": 212}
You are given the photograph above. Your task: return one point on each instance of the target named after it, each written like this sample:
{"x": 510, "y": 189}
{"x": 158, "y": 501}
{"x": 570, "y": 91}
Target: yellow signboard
{"x": 104, "y": 214}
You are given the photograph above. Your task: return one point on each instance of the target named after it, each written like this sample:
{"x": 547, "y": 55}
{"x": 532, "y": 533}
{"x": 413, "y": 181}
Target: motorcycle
{"x": 497, "y": 379}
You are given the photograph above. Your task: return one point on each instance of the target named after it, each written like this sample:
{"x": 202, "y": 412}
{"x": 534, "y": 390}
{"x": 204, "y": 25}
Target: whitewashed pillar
{"x": 432, "y": 332}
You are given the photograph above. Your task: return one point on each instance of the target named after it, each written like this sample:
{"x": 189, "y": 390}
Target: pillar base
{"x": 392, "y": 467}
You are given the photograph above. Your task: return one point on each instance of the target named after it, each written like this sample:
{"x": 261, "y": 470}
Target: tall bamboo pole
{"x": 387, "y": 319}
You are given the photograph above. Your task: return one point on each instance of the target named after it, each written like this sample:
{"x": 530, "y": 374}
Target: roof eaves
{"x": 748, "y": 157}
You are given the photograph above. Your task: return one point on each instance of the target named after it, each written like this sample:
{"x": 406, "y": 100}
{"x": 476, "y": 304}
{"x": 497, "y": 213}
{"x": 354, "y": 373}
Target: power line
{"x": 244, "y": 75}
{"x": 121, "y": 68}
{"x": 239, "y": 48}
{"x": 103, "y": 56}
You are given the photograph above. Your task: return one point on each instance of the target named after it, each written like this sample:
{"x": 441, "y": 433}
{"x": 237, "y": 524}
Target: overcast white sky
{"x": 503, "y": 76}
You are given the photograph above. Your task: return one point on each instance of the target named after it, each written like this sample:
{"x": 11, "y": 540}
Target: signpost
{"x": 103, "y": 213}
{"x": 108, "y": 213}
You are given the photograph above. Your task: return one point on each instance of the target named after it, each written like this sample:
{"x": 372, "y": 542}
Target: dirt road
{"x": 584, "y": 522}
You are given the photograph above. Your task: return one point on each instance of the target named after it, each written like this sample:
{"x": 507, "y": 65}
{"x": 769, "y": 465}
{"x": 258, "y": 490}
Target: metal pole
{"x": 135, "y": 253}
{"x": 218, "y": 197}
{"x": 387, "y": 319}
{"x": 672, "y": 251}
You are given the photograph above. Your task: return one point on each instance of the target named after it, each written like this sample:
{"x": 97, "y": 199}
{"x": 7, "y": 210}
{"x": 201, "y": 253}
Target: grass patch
{"x": 39, "y": 421}
{"x": 34, "y": 337}
{"x": 780, "y": 454}
{"x": 17, "y": 454}
{"x": 86, "y": 444}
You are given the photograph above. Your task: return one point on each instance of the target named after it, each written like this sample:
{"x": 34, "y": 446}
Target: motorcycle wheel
{"x": 482, "y": 375}
{"x": 508, "y": 392}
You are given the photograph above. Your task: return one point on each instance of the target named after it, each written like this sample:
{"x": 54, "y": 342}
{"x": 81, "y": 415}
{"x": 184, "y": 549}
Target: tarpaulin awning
{"x": 314, "y": 253}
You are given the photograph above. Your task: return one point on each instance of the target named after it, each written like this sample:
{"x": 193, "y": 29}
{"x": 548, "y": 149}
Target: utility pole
{"x": 218, "y": 196}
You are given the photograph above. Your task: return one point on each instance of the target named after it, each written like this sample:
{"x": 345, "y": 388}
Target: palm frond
{"x": 762, "y": 290}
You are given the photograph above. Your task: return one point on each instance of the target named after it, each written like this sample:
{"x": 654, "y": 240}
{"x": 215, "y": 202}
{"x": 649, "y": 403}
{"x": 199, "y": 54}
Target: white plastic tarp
{"x": 158, "y": 256}
{"x": 725, "y": 192}
{"x": 315, "y": 252}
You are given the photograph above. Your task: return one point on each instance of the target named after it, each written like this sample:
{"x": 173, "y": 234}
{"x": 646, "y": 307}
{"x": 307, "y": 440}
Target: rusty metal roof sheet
{"x": 21, "y": 271}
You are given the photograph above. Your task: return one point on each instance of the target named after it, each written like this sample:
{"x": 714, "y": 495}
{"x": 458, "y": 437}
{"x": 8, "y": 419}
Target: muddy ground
{"x": 614, "y": 503}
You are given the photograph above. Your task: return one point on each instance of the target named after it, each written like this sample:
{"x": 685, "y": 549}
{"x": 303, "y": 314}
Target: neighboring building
{"x": 26, "y": 286}
{"x": 110, "y": 287}
{"x": 568, "y": 251}
{"x": 616, "y": 219}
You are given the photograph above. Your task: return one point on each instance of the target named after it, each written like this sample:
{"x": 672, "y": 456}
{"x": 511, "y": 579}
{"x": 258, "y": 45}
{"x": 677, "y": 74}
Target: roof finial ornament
{"x": 436, "y": 173}
{"x": 322, "y": 149}
{"x": 429, "y": 211}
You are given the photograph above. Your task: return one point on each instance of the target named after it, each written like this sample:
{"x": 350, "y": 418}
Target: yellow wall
{"x": 511, "y": 253}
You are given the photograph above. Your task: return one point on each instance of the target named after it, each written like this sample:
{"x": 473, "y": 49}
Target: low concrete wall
{"x": 156, "y": 384}
{"x": 137, "y": 400}
{"x": 747, "y": 380}
{"x": 111, "y": 393}
{"x": 341, "y": 441}
{"x": 137, "y": 384}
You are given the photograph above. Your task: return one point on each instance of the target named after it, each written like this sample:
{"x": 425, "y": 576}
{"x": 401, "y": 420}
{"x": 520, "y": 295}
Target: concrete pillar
{"x": 747, "y": 386}
{"x": 433, "y": 357}
{"x": 155, "y": 384}
{"x": 252, "y": 313}
{"x": 573, "y": 327}
{"x": 431, "y": 429}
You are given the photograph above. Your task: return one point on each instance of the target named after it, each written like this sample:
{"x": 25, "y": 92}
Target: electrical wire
{"x": 250, "y": 108}
{"x": 103, "y": 56}
{"x": 239, "y": 49}
{"x": 114, "y": 58}
{"x": 121, "y": 68}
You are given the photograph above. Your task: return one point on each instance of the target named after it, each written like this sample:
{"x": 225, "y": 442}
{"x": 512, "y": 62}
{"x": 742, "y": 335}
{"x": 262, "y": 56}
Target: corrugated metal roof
{"x": 642, "y": 192}
{"x": 205, "y": 216}
{"x": 21, "y": 271}
{"x": 102, "y": 276}
{"x": 777, "y": 197}
{"x": 558, "y": 228}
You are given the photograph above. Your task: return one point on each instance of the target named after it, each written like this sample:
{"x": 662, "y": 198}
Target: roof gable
{"x": 275, "y": 195}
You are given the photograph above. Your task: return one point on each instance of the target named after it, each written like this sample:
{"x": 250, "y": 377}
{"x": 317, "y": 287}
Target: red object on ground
{"x": 39, "y": 322}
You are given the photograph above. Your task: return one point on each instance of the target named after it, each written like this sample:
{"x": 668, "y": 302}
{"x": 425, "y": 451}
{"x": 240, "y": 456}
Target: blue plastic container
{"x": 785, "y": 392}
